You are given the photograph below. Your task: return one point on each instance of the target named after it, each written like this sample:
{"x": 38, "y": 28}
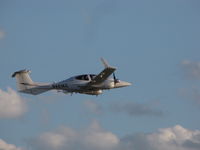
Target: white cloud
{"x": 11, "y": 104}
{"x": 96, "y": 138}
{"x": 63, "y": 137}
{"x": 175, "y": 138}
{"x": 93, "y": 137}
{"x": 191, "y": 69}
{"x": 6, "y": 146}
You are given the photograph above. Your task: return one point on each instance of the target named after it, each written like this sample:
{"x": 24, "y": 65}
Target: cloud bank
{"x": 94, "y": 137}
{"x": 6, "y": 146}
{"x": 175, "y": 138}
{"x": 11, "y": 104}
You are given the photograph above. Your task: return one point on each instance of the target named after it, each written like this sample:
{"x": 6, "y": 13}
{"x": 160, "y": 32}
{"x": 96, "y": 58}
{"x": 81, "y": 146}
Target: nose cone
{"x": 122, "y": 84}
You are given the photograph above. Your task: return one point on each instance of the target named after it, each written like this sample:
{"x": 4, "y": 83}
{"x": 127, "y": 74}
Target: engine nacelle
{"x": 97, "y": 92}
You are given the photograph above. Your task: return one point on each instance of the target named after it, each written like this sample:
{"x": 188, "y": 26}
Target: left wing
{"x": 101, "y": 77}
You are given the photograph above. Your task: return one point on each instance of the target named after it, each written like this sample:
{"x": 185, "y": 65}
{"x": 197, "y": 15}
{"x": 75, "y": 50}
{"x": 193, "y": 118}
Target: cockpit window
{"x": 86, "y": 77}
{"x": 82, "y": 77}
{"x": 92, "y": 76}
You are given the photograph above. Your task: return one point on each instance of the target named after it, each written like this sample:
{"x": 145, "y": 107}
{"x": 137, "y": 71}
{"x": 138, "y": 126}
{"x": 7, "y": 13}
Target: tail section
{"x": 26, "y": 85}
{"x": 22, "y": 79}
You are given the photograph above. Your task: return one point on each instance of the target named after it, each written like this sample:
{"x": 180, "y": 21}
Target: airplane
{"x": 90, "y": 84}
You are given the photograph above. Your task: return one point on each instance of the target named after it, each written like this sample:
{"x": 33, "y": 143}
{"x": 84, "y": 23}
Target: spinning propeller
{"x": 106, "y": 65}
{"x": 115, "y": 79}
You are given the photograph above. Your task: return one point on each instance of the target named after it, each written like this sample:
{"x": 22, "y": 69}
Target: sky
{"x": 153, "y": 43}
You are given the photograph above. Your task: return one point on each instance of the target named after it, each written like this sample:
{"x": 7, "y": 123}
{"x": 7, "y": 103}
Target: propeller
{"x": 115, "y": 79}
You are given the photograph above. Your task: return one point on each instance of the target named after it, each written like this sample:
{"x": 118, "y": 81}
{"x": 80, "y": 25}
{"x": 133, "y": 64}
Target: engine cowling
{"x": 97, "y": 92}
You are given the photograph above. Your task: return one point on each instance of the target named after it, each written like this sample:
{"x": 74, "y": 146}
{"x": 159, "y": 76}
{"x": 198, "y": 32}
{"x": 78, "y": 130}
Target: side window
{"x": 79, "y": 77}
{"x": 92, "y": 76}
{"x": 86, "y": 77}
{"x": 82, "y": 77}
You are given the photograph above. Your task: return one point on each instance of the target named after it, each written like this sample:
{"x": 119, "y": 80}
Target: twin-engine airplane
{"x": 84, "y": 84}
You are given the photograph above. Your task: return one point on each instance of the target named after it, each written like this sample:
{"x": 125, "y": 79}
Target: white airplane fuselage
{"x": 74, "y": 85}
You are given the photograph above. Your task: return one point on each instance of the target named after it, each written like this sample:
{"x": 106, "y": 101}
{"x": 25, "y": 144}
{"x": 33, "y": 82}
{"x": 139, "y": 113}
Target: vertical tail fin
{"x": 26, "y": 85}
{"x": 22, "y": 79}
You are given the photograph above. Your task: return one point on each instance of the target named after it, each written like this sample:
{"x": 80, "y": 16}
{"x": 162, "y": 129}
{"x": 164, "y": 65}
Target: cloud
{"x": 6, "y": 146}
{"x": 130, "y": 108}
{"x": 135, "y": 109}
{"x": 93, "y": 137}
{"x": 175, "y": 138}
{"x": 11, "y": 104}
{"x": 192, "y": 93}
{"x": 2, "y": 34}
{"x": 63, "y": 137}
{"x": 191, "y": 69}
{"x": 93, "y": 107}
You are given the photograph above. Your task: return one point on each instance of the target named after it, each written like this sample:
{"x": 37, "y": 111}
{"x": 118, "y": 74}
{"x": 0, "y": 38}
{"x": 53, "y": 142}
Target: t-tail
{"x": 26, "y": 85}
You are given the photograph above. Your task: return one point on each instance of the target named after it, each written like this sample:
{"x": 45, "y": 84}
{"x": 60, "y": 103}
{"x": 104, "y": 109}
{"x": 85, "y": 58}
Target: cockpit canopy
{"x": 86, "y": 77}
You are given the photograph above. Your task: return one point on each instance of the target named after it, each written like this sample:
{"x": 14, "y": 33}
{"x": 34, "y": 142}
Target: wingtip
{"x": 106, "y": 65}
{"x": 104, "y": 62}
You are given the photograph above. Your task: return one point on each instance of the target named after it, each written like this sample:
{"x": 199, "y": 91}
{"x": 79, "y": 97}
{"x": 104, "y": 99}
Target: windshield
{"x": 92, "y": 76}
{"x": 82, "y": 77}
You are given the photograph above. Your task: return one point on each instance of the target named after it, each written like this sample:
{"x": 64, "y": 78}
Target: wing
{"x": 101, "y": 77}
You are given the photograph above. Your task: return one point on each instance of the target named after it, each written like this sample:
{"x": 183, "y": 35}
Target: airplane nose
{"x": 126, "y": 83}
{"x": 122, "y": 84}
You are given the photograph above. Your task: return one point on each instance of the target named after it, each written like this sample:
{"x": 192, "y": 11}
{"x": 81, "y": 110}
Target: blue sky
{"x": 154, "y": 45}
